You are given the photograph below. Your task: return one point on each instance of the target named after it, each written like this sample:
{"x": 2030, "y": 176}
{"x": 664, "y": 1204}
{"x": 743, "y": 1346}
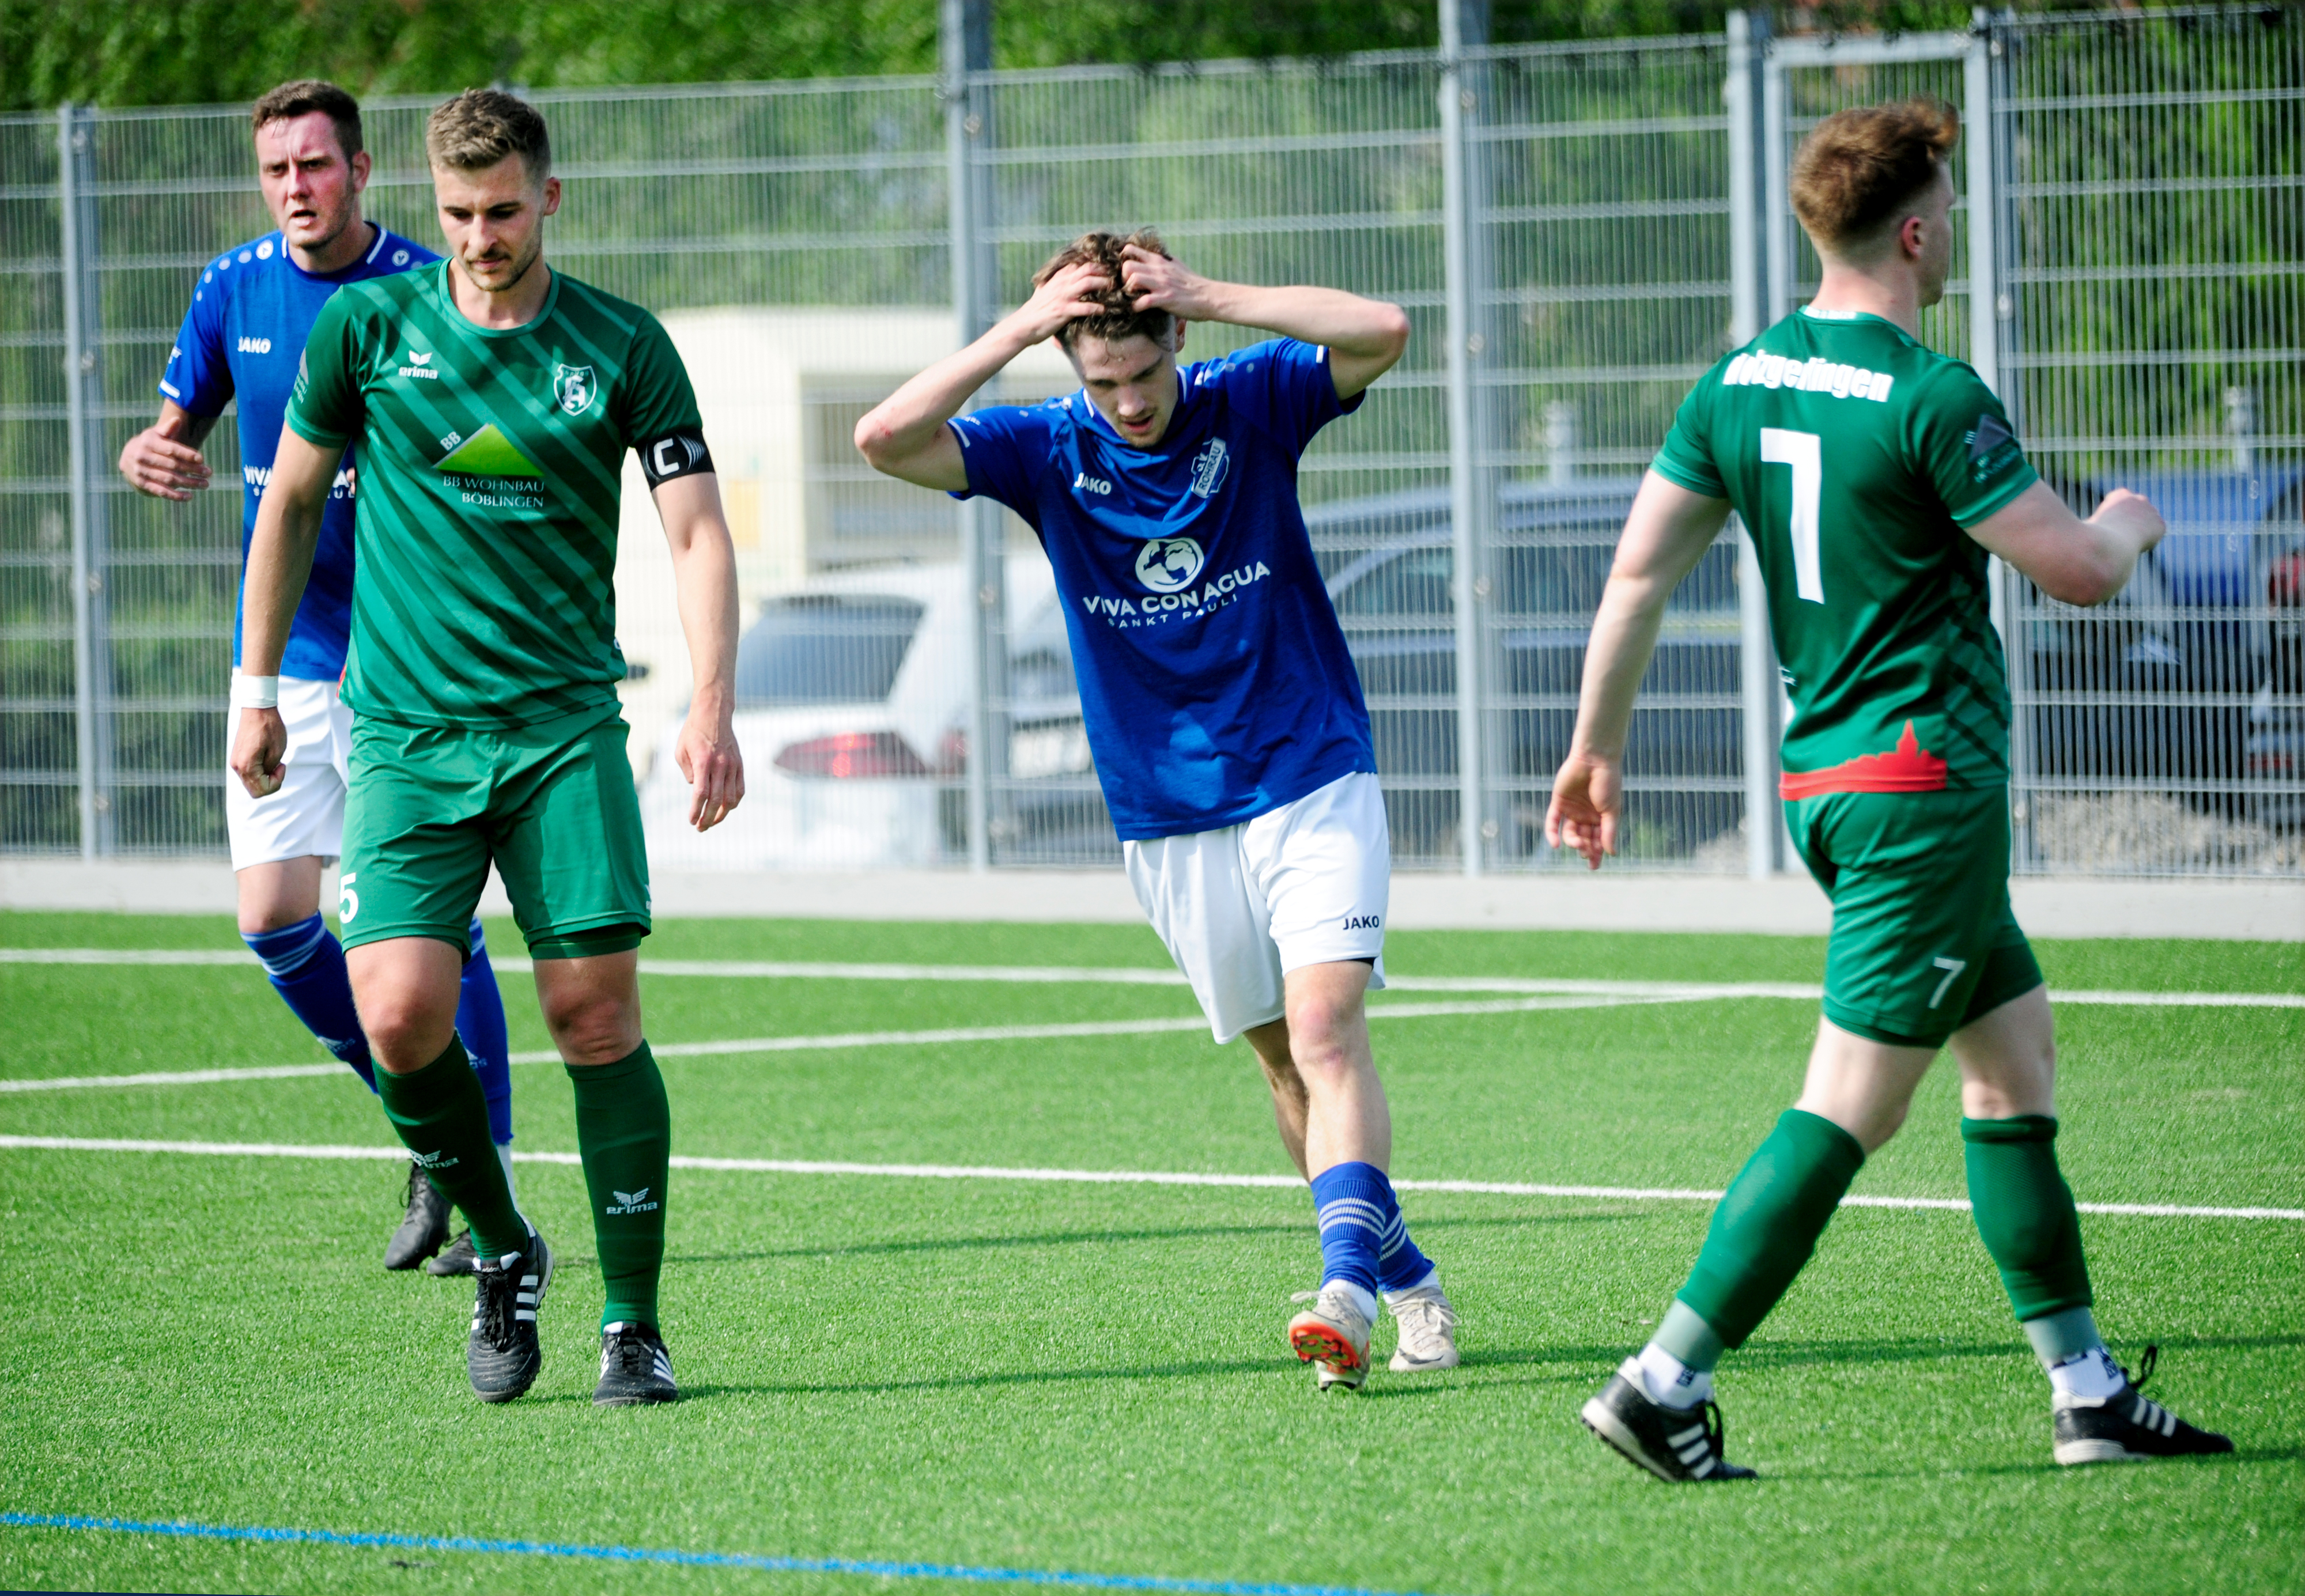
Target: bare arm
{"x": 704, "y": 577}
{"x": 1363, "y": 336}
{"x": 279, "y": 564}
{"x": 1667, "y": 532}
{"x": 905, "y": 436}
{"x": 2080, "y": 561}
{"x": 164, "y": 459}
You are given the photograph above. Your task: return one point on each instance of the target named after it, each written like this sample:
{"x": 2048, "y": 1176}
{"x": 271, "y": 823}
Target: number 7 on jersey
{"x": 1803, "y": 451}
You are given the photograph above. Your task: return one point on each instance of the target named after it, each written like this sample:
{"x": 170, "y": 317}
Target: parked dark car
{"x": 2175, "y": 679}
{"x": 1391, "y": 567}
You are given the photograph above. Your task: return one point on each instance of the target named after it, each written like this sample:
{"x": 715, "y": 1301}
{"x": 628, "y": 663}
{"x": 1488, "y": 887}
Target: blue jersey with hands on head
{"x": 244, "y": 337}
{"x": 1214, "y": 680}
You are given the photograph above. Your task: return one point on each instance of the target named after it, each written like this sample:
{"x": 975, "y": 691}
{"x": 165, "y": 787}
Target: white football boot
{"x": 1428, "y": 1327}
{"x": 1333, "y": 1333}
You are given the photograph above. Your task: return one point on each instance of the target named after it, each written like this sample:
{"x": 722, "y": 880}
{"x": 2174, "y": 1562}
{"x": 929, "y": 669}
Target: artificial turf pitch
{"x": 1037, "y": 1376}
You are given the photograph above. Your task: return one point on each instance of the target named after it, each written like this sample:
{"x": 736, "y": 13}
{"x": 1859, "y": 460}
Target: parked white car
{"x": 852, "y": 696}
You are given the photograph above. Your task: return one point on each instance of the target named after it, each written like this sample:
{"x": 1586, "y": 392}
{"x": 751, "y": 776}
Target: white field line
{"x": 1136, "y": 1177}
{"x": 1072, "y": 975}
{"x": 799, "y": 1044}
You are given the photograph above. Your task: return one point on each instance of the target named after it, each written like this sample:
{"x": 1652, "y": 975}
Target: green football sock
{"x": 442, "y": 1117}
{"x": 2025, "y": 1212}
{"x": 624, "y": 1129}
{"x": 1768, "y": 1222}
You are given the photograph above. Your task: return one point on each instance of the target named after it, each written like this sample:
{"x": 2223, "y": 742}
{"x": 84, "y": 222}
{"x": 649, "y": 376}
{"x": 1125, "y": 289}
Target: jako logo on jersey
{"x": 1166, "y": 564}
{"x": 1085, "y": 483}
{"x": 574, "y": 387}
{"x": 1806, "y": 377}
{"x": 1363, "y": 922}
{"x": 252, "y": 346}
{"x": 420, "y": 364}
{"x": 1209, "y": 468}
{"x": 631, "y": 1202}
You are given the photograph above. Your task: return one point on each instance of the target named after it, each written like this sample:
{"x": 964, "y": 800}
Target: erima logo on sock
{"x": 431, "y": 1160}
{"x": 630, "y": 1202}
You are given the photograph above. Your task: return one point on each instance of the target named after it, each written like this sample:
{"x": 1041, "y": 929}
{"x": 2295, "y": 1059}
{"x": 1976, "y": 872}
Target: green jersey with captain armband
{"x": 491, "y": 471}
{"x": 1855, "y": 457}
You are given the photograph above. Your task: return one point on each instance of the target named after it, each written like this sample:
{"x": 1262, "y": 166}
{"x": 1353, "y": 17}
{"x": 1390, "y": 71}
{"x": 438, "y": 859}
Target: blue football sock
{"x": 1400, "y": 1265}
{"x": 481, "y": 1026}
{"x": 306, "y": 967}
{"x": 1352, "y": 1202}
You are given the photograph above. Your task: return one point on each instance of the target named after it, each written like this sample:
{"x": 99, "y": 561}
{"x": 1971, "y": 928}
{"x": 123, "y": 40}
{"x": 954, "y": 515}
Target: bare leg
{"x": 406, "y": 989}
{"x": 1326, "y": 1096}
{"x": 2008, "y": 1059}
{"x": 1863, "y": 1086}
{"x": 278, "y": 893}
{"x": 591, "y": 1006}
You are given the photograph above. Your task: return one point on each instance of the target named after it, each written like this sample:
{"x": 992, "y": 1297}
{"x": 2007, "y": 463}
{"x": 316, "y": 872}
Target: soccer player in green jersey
{"x": 1874, "y": 477}
{"x": 492, "y": 400}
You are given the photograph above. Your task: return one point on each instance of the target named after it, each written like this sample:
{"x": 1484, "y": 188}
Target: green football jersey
{"x": 1855, "y": 457}
{"x": 491, "y": 469}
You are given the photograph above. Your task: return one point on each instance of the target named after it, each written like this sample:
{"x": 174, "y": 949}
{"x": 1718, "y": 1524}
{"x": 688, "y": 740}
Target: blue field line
{"x": 1057, "y": 1578}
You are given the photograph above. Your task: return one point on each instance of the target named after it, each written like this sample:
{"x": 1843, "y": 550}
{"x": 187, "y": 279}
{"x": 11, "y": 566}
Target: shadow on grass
{"x": 1065, "y": 1238}
{"x": 975, "y": 1382}
{"x": 1917, "y": 1350}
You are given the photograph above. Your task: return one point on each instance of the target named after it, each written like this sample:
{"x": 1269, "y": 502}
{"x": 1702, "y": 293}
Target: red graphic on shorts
{"x": 1912, "y": 768}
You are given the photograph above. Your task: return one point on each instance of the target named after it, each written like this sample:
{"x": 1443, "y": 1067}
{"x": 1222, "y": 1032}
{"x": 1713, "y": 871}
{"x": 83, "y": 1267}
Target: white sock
{"x": 504, "y": 1157}
{"x": 1670, "y": 1381}
{"x": 2091, "y": 1376}
{"x": 1363, "y": 1297}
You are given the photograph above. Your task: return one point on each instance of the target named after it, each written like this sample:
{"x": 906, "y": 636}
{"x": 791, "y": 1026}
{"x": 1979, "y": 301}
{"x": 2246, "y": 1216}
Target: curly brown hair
{"x": 1861, "y": 169}
{"x": 1118, "y": 320}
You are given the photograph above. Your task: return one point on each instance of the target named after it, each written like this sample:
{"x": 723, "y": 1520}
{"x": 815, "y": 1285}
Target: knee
{"x": 405, "y": 1029}
{"x": 591, "y": 1028}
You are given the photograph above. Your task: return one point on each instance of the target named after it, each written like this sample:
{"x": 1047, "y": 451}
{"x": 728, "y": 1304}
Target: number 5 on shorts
{"x": 1952, "y": 967}
{"x": 348, "y": 906}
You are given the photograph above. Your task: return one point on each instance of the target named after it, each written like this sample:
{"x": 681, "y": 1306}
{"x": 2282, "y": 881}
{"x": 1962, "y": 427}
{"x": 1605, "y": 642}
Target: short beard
{"x": 521, "y": 268}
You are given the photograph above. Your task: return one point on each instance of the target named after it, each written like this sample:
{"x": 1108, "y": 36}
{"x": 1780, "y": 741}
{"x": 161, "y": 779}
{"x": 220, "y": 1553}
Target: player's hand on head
{"x": 162, "y": 467}
{"x": 713, "y": 765}
{"x": 259, "y": 748}
{"x": 1068, "y": 295}
{"x": 1587, "y": 797}
{"x": 1156, "y": 283}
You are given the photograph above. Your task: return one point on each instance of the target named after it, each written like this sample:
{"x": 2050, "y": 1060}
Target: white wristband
{"x": 255, "y": 693}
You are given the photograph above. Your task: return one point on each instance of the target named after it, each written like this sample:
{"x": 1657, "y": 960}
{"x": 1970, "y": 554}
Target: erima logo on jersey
{"x": 1808, "y": 377}
{"x": 631, "y": 1202}
{"x": 250, "y": 346}
{"x": 1085, "y": 483}
{"x": 420, "y": 364}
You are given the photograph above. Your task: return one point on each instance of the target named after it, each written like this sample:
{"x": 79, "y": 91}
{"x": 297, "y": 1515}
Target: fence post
{"x": 1463, "y": 25}
{"x": 966, "y": 36}
{"x": 84, "y": 408}
{"x": 1749, "y": 279}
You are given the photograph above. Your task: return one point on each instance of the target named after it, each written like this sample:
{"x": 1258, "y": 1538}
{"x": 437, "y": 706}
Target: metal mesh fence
{"x": 1559, "y": 222}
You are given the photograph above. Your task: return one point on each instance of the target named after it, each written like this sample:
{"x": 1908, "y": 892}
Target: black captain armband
{"x": 680, "y": 453}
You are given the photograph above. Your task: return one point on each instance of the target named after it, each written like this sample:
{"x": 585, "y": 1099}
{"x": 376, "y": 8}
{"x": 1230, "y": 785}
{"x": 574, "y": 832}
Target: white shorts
{"x": 1303, "y": 883}
{"x": 306, "y": 817}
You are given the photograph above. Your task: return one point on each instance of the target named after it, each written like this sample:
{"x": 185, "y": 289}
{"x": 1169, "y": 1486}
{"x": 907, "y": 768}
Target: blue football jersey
{"x": 1214, "y": 680}
{"x": 244, "y": 337}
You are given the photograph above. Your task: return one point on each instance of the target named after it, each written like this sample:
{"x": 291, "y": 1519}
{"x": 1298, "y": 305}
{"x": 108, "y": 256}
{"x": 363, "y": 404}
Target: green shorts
{"x": 1923, "y": 940}
{"x": 430, "y": 807}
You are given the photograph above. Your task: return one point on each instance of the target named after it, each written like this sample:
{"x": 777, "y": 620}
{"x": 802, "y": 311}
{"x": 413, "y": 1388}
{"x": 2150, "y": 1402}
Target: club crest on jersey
{"x": 1209, "y": 469}
{"x": 1166, "y": 564}
{"x": 574, "y": 387}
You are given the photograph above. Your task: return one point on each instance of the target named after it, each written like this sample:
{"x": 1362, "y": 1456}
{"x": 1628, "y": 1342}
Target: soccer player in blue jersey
{"x": 241, "y": 339}
{"x": 1221, "y": 706}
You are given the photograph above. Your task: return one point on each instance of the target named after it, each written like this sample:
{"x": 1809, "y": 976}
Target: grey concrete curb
{"x": 2263, "y": 909}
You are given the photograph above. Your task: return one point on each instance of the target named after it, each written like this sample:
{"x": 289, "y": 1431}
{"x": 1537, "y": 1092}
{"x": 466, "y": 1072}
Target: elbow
{"x": 872, "y": 439}
{"x": 1393, "y": 332}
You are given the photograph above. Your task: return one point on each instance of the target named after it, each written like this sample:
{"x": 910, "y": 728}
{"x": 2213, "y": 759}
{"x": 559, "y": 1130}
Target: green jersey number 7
{"x": 1804, "y": 452}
